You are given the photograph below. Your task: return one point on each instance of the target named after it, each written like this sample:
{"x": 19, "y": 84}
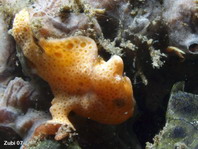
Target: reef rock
{"x": 7, "y": 53}
{"x": 15, "y": 109}
{"x": 182, "y": 28}
{"x": 181, "y": 129}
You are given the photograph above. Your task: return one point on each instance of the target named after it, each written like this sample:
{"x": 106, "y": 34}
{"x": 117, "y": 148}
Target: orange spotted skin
{"x": 80, "y": 80}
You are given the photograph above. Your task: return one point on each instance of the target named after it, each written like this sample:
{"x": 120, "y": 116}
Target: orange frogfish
{"x": 80, "y": 80}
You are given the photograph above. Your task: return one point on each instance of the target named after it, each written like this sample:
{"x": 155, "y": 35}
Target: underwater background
{"x": 123, "y": 72}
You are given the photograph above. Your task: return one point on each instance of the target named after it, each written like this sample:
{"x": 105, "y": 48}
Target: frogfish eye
{"x": 119, "y": 102}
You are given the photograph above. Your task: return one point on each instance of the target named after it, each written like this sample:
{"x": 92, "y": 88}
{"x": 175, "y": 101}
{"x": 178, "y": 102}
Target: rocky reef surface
{"x": 181, "y": 126}
{"x": 158, "y": 42}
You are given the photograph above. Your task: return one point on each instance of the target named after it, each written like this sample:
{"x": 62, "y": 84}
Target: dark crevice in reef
{"x": 109, "y": 26}
{"x": 151, "y": 121}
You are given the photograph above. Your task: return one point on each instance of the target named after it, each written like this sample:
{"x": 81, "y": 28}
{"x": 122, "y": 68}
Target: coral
{"x": 16, "y": 94}
{"x": 17, "y": 113}
{"x": 7, "y": 53}
{"x": 9, "y": 8}
{"x": 46, "y": 144}
{"x": 80, "y": 80}
{"x": 156, "y": 55}
{"x": 60, "y": 19}
{"x": 52, "y": 144}
{"x": 181, "y": 126}
{"x": 181, "y": 25}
